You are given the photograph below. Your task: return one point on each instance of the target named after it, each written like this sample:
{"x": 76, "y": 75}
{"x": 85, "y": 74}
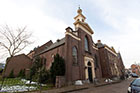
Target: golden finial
{"x": 79, "y": 11}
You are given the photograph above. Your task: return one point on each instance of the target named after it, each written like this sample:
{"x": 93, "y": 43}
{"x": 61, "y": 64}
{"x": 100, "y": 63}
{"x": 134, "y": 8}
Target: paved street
{"x": 114, "y": 88}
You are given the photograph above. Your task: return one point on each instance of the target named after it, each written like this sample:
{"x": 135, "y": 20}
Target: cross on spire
{"x": 78, "y": 6}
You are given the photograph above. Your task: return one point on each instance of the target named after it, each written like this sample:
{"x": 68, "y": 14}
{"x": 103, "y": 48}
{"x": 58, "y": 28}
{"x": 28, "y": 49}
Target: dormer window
{"x": 86, "y": 44}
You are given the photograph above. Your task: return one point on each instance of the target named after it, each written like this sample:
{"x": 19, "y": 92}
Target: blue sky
{"x": 115, "y": 22}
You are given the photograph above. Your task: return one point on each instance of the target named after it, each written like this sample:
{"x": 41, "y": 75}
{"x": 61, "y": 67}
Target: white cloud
{"x": 120, "y": 21}
{"x": 44, "y": 27}
{"x": 122, "y": 17}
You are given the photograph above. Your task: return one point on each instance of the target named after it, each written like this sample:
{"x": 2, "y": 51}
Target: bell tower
{"x": 80, "y": 22}
{"x": 80, "y": 17}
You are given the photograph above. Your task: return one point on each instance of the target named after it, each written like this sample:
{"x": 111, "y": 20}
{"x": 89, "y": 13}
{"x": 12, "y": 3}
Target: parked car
{"x": 134, "y": 75}
{"x": 134, "y": 86}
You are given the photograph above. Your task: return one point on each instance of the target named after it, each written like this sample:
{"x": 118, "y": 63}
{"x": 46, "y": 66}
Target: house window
{"x": 74, "y": 55}
{"x": 86, "y": 44}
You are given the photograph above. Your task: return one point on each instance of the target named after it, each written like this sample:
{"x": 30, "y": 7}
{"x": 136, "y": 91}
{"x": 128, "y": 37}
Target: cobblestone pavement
{"x": 113, "y": 88}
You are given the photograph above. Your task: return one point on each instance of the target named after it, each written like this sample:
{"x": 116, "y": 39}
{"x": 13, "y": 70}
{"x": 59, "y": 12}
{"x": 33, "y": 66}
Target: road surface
{"x": 113, "y": 88}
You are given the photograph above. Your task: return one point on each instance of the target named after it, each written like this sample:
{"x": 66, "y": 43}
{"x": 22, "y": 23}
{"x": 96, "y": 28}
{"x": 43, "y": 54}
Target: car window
{"x": 136, "y": 82}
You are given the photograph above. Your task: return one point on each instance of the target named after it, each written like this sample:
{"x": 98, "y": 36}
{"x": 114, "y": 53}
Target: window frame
{"x": 74, "y": 55}
{"x": 86, "y": 44}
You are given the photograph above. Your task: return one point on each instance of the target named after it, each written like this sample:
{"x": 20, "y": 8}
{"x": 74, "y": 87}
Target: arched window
{"x": 86, "y": 44}
{"x": 74, "y": 55}
{"x": 89, "y": 64}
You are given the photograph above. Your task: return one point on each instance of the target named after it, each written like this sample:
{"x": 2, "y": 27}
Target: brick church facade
{"x": 84, "y": 59}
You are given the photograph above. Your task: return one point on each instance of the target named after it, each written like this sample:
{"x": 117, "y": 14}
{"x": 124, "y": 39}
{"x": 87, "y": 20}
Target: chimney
{"x": 69, "y": 29}
{"x": 99, "y": 41}
{"x": 58, "y": 40}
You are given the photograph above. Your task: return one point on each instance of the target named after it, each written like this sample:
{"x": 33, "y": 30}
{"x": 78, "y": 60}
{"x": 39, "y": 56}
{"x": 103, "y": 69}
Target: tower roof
{"x": 80, "y": 16}
{"x": 80, "y": 21}
{"x": 79, "y": 10}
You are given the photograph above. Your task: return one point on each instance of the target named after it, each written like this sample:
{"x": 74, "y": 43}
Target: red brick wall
{"x": 108, "y": 61}
{"x": 50, "y": 54}
{"x": 135, "y": 69}
{"x": 104, "y": 63}
{"x": 75, "y": 72}
{"x": 41, "y": 48}
{"x": 72, "y": 70}
{"x": 98, "y": 71}
{"x": 17, "y": 63}
{"x": 31, "y": 54}
{"x": 121, "y": 65}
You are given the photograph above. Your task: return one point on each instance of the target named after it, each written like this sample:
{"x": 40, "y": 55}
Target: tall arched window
{"x": 74, "y": 54}
{"x": 86, "y": 44}
{"x": 89, "y": 64}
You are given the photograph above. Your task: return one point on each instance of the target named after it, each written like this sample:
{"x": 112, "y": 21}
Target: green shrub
{"x": 44, "y": 76}
{"x": 57, "y": 68}
{"x": 11, "y": 75}
{"x": 0, "y": 77}
{"x": 38, "y": 71}
{"x": 21, "y": 73}
{"x": 1, "y": 70}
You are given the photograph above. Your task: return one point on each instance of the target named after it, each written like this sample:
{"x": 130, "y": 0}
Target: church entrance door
{"x": 90, "y": 72}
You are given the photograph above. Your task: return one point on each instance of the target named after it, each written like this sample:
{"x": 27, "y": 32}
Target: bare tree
{"x": 14, "y": 40}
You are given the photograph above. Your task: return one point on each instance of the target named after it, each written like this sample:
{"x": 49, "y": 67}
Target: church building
{"x": 83, "y": 58}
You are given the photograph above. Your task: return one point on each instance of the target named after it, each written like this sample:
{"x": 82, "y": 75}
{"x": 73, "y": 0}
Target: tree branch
{"x": 17, "y": 41}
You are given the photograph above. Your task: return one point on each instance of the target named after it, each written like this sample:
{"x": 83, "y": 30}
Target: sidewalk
{"x": 73, "y": 88}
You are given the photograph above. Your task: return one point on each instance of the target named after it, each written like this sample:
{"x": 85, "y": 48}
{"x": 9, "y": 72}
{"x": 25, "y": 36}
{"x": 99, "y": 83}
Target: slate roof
{"x": 54, "y": 45}
{"x": 99, "y": 45}
{"x": 85, "y": 25}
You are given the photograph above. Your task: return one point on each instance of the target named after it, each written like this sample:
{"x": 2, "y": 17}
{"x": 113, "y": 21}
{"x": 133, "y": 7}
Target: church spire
{"x": 79, "y": 11}
{"x": 80, "y": 17}
{"x": 80, "y": 22}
